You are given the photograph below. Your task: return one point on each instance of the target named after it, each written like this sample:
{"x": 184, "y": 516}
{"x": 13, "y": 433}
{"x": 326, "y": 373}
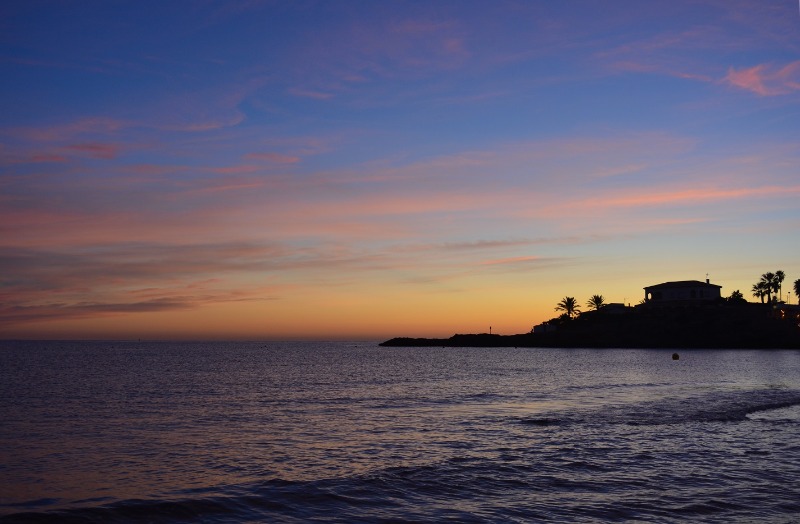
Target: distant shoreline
{"x": 718, "y": 326}
{"x": 525, "y": 340}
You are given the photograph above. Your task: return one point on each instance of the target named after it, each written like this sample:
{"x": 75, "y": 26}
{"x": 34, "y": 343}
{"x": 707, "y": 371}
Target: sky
{"x": 345, "y": 169}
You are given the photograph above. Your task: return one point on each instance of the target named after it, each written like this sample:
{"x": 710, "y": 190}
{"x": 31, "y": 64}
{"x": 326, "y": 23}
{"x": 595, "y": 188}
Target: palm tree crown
{"x": 759, "y": 290}
{"x": 768, "y": 281}
{"x": 569, "y": 306}
{"x": 797, "y": 289}
{"x": 596, "y": 302}
{"x": 779, "y": 276}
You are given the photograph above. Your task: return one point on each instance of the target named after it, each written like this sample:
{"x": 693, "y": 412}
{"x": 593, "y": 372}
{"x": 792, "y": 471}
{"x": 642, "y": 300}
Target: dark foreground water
{"x": 334, "y": 432}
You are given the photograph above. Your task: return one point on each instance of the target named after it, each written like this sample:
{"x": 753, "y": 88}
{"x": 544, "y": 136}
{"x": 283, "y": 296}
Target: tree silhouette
{"x": 779, "y": 276}
{"x": 596, "y": 302}
{"x": 797, "y": 289}
{"x": 759, "y": 291}
{"x": 569, "y": 306}
{"x": 736, "y": 296}
{"x": 768, "y": 283}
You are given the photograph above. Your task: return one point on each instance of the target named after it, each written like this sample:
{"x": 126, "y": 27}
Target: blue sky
{"x": 234, "y": 169}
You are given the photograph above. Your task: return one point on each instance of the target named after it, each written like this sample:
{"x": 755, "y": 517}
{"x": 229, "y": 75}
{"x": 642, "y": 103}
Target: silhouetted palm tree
{"x": 797, "y": 289}
{"x": 758, "y": 291}
{"x": 596, "y": 302}
{"x": 569, "y": 306}
{"x": 779, "y": 276}
{"x": 768, "y": 281}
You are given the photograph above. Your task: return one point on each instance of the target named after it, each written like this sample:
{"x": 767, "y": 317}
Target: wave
{"x": 130, "y": 511}
{"x": 733, "y": 406}
{"x": 455, "y": 489}
{"x": 524, "y": 483}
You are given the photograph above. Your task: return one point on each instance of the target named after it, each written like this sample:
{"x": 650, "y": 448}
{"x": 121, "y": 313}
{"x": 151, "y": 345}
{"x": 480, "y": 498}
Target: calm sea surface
{"x": 338, "y": 432}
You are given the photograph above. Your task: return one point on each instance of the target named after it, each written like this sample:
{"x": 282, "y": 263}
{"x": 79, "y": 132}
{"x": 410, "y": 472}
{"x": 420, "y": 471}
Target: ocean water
{"x": 352, "y": 432}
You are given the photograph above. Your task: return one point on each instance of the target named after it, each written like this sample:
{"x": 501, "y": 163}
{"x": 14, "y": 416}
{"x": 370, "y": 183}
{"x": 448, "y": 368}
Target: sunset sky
{"x": 345, "y": 169}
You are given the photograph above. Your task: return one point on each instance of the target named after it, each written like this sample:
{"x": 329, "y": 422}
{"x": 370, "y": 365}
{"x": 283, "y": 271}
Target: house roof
{"x": 682, "y": 284}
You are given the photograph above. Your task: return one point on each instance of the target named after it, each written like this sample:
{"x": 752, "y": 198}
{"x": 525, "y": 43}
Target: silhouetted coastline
{"x": 713, "y": 326}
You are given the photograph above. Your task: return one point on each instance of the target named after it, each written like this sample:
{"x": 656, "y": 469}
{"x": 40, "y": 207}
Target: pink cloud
{"x": 95, "y": 149}
{"x": 298, "y": 146}
{"x": 678, "y": 221}
{"x": 12, "y": 315}
{"x": 619, "y": 170}
{"x": 71, "y": 130}
{"x": 766, "y": 80}
{"x": 633, "y": 66}
{"x": 22, "y": 219}
{"x": 277, "y": 158}
{"x": 455, "y": 46}
{"x": 49, "y": 158}
{"x": 83, "y": 281}
{"x": 205, "y": 109}
{"x": 686, "y": 196}
{"x": 152, "y": 169}
{"x": 236, "y": 170}
{"x": 308, "y": 93}
{"x": 107, "y": 301}
{"x": 199, "y": 111}
{"x": 522, "y": 263}
{"x": 669, "y": 53}
{"x": 512, "y": 260}
{"x": 231, "y": 187}
{"x": 412, "y": 204}
{"x": 34, "y": 158}
{"x": 208, "y": 124}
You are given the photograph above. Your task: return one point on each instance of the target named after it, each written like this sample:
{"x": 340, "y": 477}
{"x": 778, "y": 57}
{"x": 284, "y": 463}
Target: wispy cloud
{"x": 69, "y": 131}
{"x": 477, "y": 245}
{"x": 767, "y": 79}
{"x": 196, "y": 111}
{"x": 237, "y": 152}
{"x": 689, "y": 196}
{"x": 480, "y": 247}
{"x": 706, "y": 40}
{"x": 652, "y": 67}
{"x": 524, "y": 264}
{"x": 375, "y": 200}
{"x": 41, "y": 157}
{"x": 277, "y": 158}
{"x": 310, "y": 93}
{"x": 670, "y": 53}
{"x": 95, "y": 150}
{"x": 16, "y": 314}
{"x": 513, "y": 261}
{"x": 237, "y": 170}
{"x": 77, "y": 282}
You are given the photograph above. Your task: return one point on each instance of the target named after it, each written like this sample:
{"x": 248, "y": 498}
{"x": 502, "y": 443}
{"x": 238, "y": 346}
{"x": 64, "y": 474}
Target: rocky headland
{"x": 718, "y": 325}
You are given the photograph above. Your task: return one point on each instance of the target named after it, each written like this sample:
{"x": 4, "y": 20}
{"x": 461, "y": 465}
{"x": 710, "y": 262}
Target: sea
{"x": 230, "y": 432}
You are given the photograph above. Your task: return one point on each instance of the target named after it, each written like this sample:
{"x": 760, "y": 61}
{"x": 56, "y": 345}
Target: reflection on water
{"x": 245, "y": 431}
